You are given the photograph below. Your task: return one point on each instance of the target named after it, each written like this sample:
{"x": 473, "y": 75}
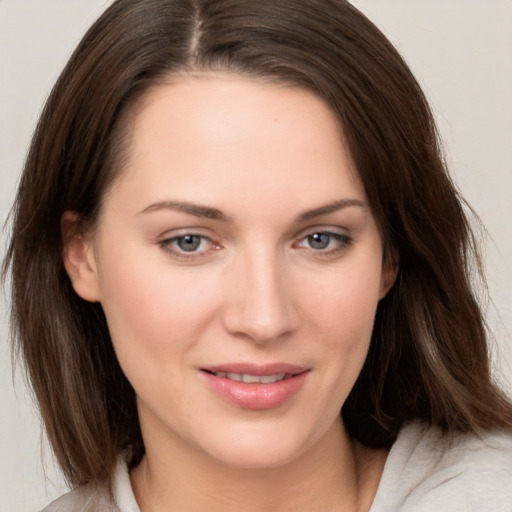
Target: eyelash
{"x": 181, "y": 254}
{"x": 343, "y": 241}
{"x": 169, "y": 245}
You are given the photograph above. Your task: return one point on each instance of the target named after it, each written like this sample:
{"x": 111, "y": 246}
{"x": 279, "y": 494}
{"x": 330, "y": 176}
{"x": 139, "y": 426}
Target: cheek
{"x": 151, "y": 308}
{"x": 345, "y": 303}
{"x": 342, "y": 315}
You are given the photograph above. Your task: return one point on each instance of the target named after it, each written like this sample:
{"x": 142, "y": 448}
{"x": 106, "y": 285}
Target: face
{"x": 239, "y": 267}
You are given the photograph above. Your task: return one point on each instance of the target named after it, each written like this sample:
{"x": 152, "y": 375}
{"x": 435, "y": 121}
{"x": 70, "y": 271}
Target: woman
{"x": 233, "y": 223}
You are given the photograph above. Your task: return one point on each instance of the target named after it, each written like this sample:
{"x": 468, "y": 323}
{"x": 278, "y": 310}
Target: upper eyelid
{"x": 173, "y": 236}
{"x": 170, "y": 234}
{"x": 342, "y": 237}
{"x": 212, "y": 237}
{"x": 182, "y": 255}
{"x": 177, "y": 237}
{"x": 328, "y": 229}
{"x": 333, "y": 234}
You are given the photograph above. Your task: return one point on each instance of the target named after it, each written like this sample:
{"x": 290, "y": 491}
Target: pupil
{"x": 319, "y": 240}
{"x": 189, "y": 243}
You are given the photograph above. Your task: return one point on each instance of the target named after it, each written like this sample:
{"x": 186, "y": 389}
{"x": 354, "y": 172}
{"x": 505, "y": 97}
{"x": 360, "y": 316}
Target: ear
{"x": 78, "y": 257}
{"x": 388, "y": 273}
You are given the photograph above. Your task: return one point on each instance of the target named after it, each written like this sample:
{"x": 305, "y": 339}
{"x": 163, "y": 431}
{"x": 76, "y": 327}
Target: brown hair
{"x": 428, "y": 357}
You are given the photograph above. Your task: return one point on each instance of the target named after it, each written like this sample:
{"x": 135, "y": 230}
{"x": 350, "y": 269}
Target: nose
{"x": 261, "y": 302}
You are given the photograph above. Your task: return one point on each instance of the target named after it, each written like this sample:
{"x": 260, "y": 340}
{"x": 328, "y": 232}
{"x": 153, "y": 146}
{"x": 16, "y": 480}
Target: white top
{"x": 424, "y": 472}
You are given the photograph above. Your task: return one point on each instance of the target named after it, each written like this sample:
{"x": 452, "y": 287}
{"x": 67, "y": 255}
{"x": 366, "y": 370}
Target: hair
{"x": 428, "y": 356}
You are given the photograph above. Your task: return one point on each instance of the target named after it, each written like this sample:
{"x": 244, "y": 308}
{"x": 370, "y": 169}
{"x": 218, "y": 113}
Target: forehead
{"x": 206, "y": 136}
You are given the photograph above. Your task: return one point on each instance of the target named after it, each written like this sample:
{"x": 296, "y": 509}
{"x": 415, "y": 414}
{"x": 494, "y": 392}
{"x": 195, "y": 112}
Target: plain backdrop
{"x": 461, "y": 52}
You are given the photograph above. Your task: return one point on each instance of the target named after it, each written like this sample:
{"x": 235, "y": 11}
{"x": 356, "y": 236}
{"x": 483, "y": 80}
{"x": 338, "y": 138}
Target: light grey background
{"x": 461, "y": 51}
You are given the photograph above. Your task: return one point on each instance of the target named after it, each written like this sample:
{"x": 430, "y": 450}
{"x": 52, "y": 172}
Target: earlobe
{"x": 78, "y": 257}
{"x": 388, "y": 274}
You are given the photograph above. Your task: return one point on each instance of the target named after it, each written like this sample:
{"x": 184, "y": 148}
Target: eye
{"x": 325, "y": 242}
{"x": 319, "y": 240}
{"x": 188, "y": 246}
{"x": 188, "y": 243}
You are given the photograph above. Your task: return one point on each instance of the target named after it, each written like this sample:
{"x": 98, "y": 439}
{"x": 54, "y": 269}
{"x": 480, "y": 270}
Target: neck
{"x": 334, "y": 474}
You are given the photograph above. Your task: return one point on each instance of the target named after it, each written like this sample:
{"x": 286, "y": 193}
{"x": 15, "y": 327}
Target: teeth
{"x": 269, "y": 379}
{"x": 252, "y": 379}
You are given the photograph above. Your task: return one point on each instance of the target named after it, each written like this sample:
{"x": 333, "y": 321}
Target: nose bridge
{"x": 261, "y": 307}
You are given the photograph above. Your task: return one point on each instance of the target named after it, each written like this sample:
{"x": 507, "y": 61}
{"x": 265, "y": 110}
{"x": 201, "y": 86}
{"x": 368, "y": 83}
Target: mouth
{"x": 250, "y": 386}
{"x": 252, "y": 379}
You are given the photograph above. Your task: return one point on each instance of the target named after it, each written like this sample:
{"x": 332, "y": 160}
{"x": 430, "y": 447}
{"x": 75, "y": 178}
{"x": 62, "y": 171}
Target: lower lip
{"x": 255, "y": 396}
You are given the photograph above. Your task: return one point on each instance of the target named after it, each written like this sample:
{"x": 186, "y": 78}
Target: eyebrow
{"x": 194, "y": 209}
{"x": 331, "y": 208}
{"x": 210, "y": 212}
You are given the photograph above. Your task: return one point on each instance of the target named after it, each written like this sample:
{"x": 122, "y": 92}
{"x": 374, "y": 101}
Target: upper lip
{"x": 256, "y": 369}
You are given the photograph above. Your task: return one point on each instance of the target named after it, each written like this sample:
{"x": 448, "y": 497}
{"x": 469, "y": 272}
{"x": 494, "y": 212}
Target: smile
{"x": 257, "y": 387}
{"x": 253, "y": 379}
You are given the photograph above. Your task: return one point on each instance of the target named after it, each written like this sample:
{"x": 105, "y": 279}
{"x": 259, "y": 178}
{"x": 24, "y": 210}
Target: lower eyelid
{"x": 169, "y": 244}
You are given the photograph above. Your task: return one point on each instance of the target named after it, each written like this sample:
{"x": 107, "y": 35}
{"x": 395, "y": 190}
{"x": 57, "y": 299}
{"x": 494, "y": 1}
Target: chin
{"x": 259, "y": 446}
{"x": 242, "y": 456}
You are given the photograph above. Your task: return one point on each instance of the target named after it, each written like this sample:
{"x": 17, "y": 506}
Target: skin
{"x": 257, "y": 288}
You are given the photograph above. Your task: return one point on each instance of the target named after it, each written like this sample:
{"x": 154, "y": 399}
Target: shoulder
{"x": 100, "y": 498}
{"x": 427, "y": 470}
{"x": 87, "y": 498}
